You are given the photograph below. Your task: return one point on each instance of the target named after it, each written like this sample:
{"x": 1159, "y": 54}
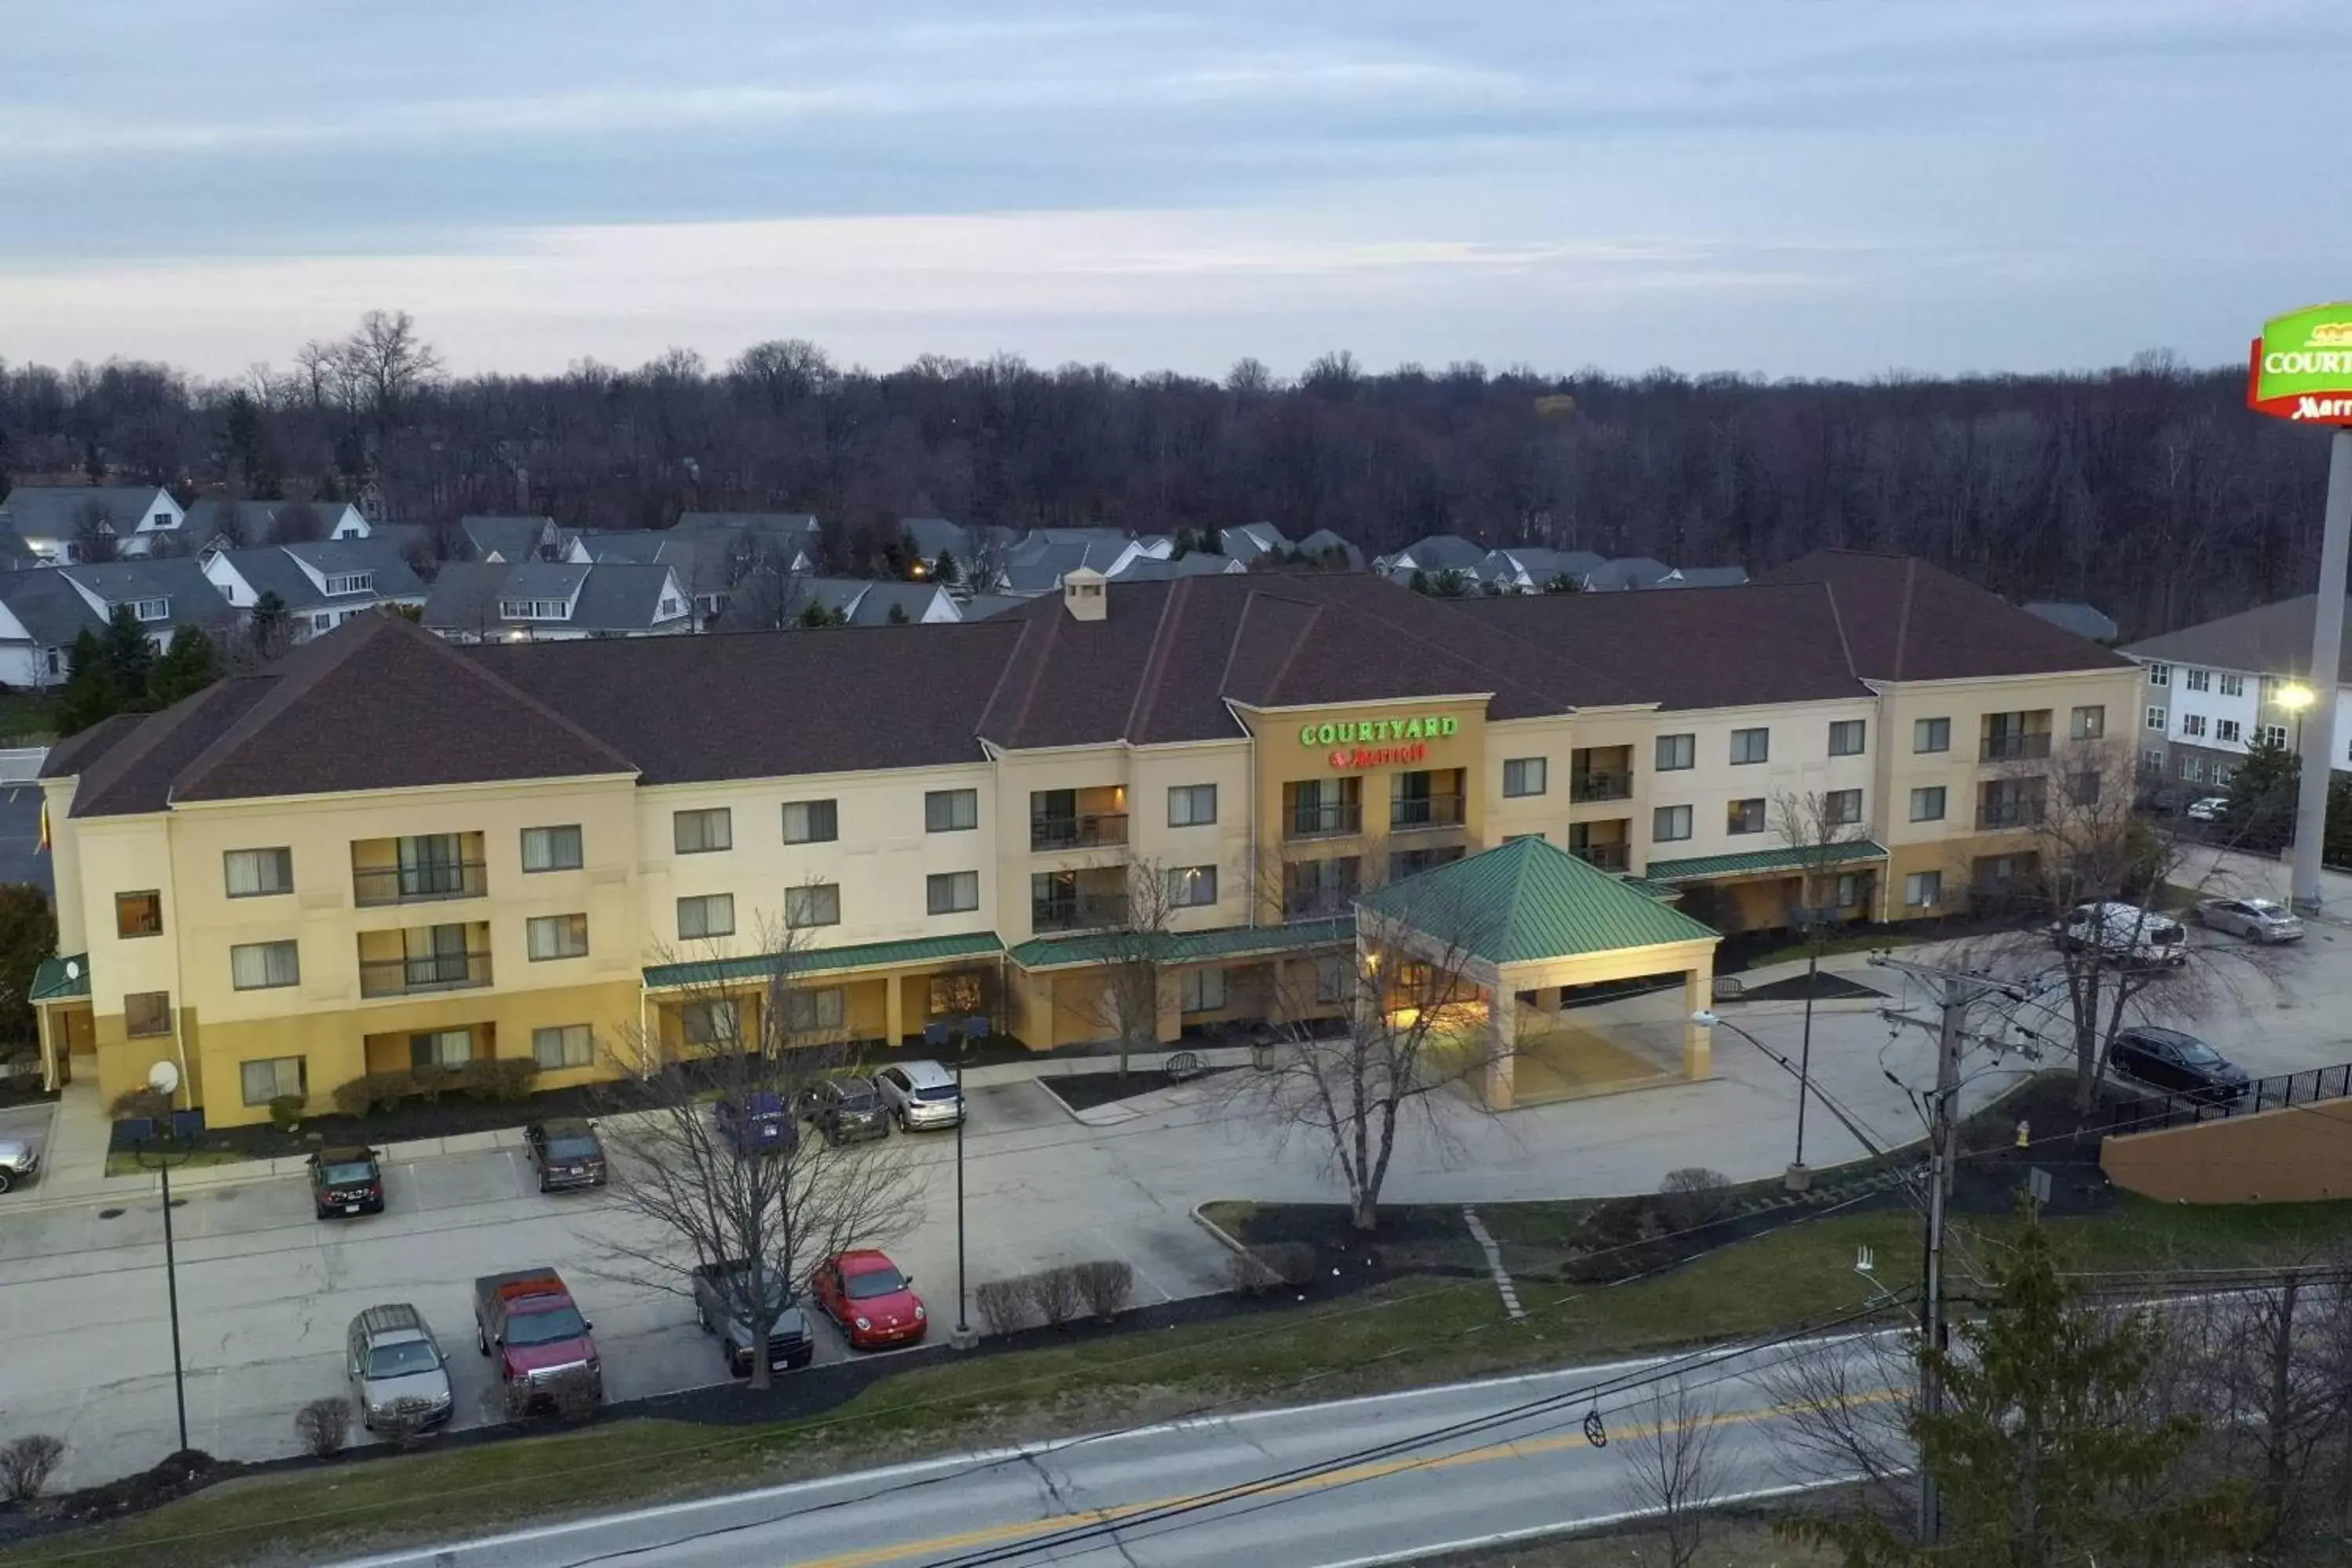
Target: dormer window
{"x": 352, "y": 583}
{"x": 160, "y": 520}
{"x": 535, "y": 609}
{"x": 152, "y": 609}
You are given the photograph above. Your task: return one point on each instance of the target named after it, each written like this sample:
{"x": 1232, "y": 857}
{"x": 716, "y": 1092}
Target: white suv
{"x": 920, "y": 1094}
{"x": 2124, "y": 932}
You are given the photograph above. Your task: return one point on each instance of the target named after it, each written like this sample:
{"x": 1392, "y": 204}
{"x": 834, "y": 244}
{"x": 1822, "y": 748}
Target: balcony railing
{"x": 1084, "y": 914}
{"x": 1426, "y": 810}
{"x": 1999, "y": 814}
{"x": 2013, "y": 748}
{"x": 1322, "y": 903}
{"x": 432, "y": 972}
{"x": 419, "y": 884}
{"x": 1607, "y": 857}
{"x": 1088, "y": 830}
{"x": 1326, "y": 821}
{"x": 1603, "y": 783}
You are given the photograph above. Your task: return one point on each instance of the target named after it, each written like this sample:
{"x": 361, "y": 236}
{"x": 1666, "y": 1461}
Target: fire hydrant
{"x": 2024, "y": 1134}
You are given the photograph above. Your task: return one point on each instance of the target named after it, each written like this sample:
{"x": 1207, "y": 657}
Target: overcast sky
{"x": 1790, "y": 187}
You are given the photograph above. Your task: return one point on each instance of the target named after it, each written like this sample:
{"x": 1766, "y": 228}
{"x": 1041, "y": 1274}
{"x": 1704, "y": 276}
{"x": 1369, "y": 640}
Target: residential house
{"x": 209, "y": 521}
{"x": 555, "y": 601}
{"x": 2211, "y": 691}
{"x": 1532, "y": 569}
{"x": 1438, "y": 553}
{"x": 513, "y": 538}
{"x": 768, "y": 604}
{"x": 49, "y": 518}
{"x": 2084, "y": 620}
{"x": 41, "y": 613}
{"x": 321, "y": 585}
{"x": 1328, "y": 548}
{"x": 1246, "y": 541}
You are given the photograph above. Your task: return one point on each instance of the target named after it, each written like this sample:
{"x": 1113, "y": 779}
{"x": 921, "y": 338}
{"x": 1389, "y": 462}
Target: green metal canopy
{"x": 52, "y": 983}
{"x": 1190, "y": 946}
{"x": 823, "y": 959}
{"x": 1763, "y": 862}
{"x": 1530, "y": 900}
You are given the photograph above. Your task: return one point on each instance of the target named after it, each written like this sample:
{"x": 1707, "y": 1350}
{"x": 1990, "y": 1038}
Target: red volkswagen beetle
{"x": 874, "y": 1303}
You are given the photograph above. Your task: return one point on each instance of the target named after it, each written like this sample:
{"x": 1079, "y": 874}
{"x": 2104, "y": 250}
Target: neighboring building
{"x": 1533, "y": 570}
{"x": 49, "y": 518}
{"x": 1037, "y": 564}
{"x": 1438, "y": 553}
{"x": 41, "y": 613}
{"x": 542, "y": 849}
{"x": 555, "y": 601}
{"x": 2210, "y": 690}
{"x": 792, "y": 536}
{"x": 1246, "y": 542}
{"x": 1628, "y": 572}
{"x": 1328, "y": 548}
{"x": 321, "y": 585}
{"x": 772, "y": 603}
{"x": 1193, "y": 564}
{"x": 256, "y": 520}
{"x": 513, "y": 538}
{"x": 932, "y": 537}
{"x": 2082, "y": 620}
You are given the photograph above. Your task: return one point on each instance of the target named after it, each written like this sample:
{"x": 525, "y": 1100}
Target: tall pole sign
{"x": 2302, "y": 370}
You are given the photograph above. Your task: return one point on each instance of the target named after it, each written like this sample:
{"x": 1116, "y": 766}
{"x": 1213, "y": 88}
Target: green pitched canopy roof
{"x": 50, "y": 983}
{"x": 1762, "y": 862}
{"x": 1192, "y": 946}
{"x": 823, "y": 959}
{"x": 1530, "y": 900}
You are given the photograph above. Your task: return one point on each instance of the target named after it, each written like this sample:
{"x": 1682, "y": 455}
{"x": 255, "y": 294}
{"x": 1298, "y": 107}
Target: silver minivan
{"x": 920, "y": 1094}
{"x": 397, "y": 1369}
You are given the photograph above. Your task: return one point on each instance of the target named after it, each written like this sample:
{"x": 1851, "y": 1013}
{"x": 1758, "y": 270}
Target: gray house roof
{"x": 56, "y": 512}
{"x": 543, "y": 579}
{"x": 277, "y": 569}
{"x": 2272, "y": 639}
{"x": 2076, "y": 616}
{"x": 1707, "y": 577}
{"x": 15, "y": 555}
{"x": 1540, "y": 564}
{"x": 614, "y": 597}
{"x": 507, "y": 537}
{"x": 54, "y": 613}
{"x": 981, "y": 606}
{"x": 931, "y": 535}
{"x": 1248, "y": 540}
{"x": 1628, "y": 572}
{"x": 798, "y": 525}
{"x": 1037, "y": 563}
{"x": 1441, "y": 552}
{"x": 1323, "y": 542}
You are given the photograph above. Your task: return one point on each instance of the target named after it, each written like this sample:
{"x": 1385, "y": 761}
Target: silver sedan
{"x": 2256, "y": 919}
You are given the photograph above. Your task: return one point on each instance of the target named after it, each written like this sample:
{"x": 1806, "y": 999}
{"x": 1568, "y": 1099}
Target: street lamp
{"x": 2295, "y": 696}
{"x": 963, "y": 1334}
{"x": 1706, "y": 1018}
{"x": 159, "y": 1154}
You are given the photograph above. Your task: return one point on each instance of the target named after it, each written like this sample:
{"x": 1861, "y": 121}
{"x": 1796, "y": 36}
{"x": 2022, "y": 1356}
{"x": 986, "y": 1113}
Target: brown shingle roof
{"x": 1906, "y": 620}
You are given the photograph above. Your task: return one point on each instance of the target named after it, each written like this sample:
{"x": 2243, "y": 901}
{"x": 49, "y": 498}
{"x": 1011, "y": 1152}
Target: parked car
{"x": 2256, "y": 919}
{"x": 2178, "y": 1063}
{"x": 2124, "y": 932}
{"x": 19, "y": 1161}
{"x": 566, "y": 1155}
{"x": 346, "y": 1181}
{"x": 848, "y": 1107}
{"x": 397, "y": 1369}
{"x": 528, "y": 1320}
{"x": 759, "y": 1124}
{"x": 920, "y": 1094}
{"x": 874, "y": 1303}
{"x": 2212, "y": 808}
{"x": 718, "y": 1297}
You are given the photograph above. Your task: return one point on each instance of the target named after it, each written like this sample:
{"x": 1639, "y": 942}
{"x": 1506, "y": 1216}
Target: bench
{"x": 1185, "y": 1066}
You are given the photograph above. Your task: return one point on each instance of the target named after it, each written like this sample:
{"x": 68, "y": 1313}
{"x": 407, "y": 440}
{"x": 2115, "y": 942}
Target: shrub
{"x": 1246, "y": 1276}
{"x": 431, "y": 1080}
{"x": 1056, "y": 1293}
{"x": 324, "y": 1426}
{"x": 500, "y": 1080}
{"x": 1105, "y": 1283}
{"x": 27, "y": 1463}
{"x": 574, "y": 1397}
{"x": 1003, "y": 1303}
{"x": 375, "y": 1091}
{"x": 140, "y": 1102}
{"x": 400, "y": 1430}
{"x": 1616, "y": 1240}
{"x": 286, "y": 1111}
{"x": 1693, "y": 1196}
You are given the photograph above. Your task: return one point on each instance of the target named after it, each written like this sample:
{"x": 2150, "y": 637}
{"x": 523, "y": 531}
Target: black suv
{"x": 346, "y": 1182}
{"x": 848, "y": 1107}
{"x": 2183, "y": 1064}
{"x": 567, "y": 1154}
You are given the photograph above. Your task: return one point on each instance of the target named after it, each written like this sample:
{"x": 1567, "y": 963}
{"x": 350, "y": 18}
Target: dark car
{"x": 2178, "y": 1063}
{"x": 566, "y": 1155}
{"x": 346, "y": 1182}
{"x": 846, "y": 1109}
{"x": 757, "y": 1124}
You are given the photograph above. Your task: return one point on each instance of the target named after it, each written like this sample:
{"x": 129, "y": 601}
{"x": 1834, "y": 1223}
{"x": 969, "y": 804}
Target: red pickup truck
{"x": 530, "y": 1322}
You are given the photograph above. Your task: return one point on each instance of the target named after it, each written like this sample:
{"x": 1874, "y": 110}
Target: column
{"x": 1503, "y": 1025}
{"x": 893, "y": 1010}
{"x": 1698, "y": 1040}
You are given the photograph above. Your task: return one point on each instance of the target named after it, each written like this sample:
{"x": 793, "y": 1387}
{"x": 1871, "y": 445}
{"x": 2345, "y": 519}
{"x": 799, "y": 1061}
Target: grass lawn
{"x": 1737, "y": 1539}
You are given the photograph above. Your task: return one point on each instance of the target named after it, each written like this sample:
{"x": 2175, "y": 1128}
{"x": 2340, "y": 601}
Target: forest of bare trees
{"x": 2147, "y": 489}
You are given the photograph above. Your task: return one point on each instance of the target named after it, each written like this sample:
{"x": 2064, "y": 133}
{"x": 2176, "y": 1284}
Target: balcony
{"x": 1089, "y": 830}
{"x": 1995, "y": 815}
{"x": 422, "y": 884}
{"x": 1407, "y": 812}
{"x": 2013, "y": 747}
{"x": 1604, "y": 783}
{"x": 1333, "y": 819}
{"x": 1604, "y": 857}
{"x": 1086, "y": 912}
{"x": 427, "y": 971}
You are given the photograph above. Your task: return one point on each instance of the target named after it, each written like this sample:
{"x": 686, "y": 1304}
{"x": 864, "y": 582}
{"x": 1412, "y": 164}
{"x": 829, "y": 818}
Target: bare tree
{"x": 295, "y": 522}
{"x": 1131, "y": 972}
{"x": 1677, "y": 1473}
{"x": 1842, "y": 1423}
{"x": 95, "y": 540}
{"x": 761, "y": 1215}
{"x": 386, "y": 360}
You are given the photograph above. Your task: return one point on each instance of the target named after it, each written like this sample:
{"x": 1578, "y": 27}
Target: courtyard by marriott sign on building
{"x": 1379, "y": 743}
{"x": 2302, "y": 366}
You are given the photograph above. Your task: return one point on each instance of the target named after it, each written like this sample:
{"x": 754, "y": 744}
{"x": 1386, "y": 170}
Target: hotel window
{"x": 2226, "y": 729}
{"x": 1927, "y": 804}
{"x": 257, "y": 873}
{"x": 1751, "y": 746}
{"x": 1931, "y": 734}
{"x": 2159, "y": 674}
{"x": 1849, "y": 892}
{"x": 2273, "y": 734}
{"x": 2083, "y": 788}
{"x": 806, "y": 1011}
{"x": 1670, "y": 824}
{"x": 2090, "y": 724}
{"x": 710, "y": 914}
{"x": 2151, "y": 760}
{"x": 700, "y": 832}
{"x": 551, "y": 849}
{"x": 1842, "y": 807}
{"x": 139, "y": 914}
{"x": 270, "y": 1077}
{"x": 147, "y": 1013}
{"x": 1923, "y": 889}
{"x": 259, "y": 965}
{"x": 1201, "y": 990}
{"x": 1744, "y": 817}
{"x": 1846, "y": 737}
{"x": 951, "y": 892}
{"x": 2199, "y": 680}
{"x": 1192, "y": 887}
{"x": 950, "y": 810}
{"x": 811, "y": 821}
{"x": 818, "y": 904}
{"x": 1335, "y": 979}
{"x": 2233, "y": 685}
{"x": 1675, "y": 752}
{"x": 1523, "y": 776}
{"x": 2156, "y": 720}
{"x": 564, "y": 1045}
{"x": 710, "y": 1023}
{"x": 2193, "y": 723}
{"x": 557, "y": 936}
{"x": 2193, "y": 768}
{"x": 1191, "y": 805}
{"x": 2221, "y": 775}
{"x": 441, "y": 1048}
{"x": 1404, "y": 863}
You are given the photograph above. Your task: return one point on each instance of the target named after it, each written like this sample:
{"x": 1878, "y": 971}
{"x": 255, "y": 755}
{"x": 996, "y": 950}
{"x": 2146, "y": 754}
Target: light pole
{"x": 1707, "y": 1018}
{"x": 963, "y": 1335}
{"x": 159, "y": 1155}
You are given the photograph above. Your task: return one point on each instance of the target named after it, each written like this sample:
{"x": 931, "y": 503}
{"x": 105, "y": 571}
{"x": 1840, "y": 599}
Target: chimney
{"x": 1082, "y": 595}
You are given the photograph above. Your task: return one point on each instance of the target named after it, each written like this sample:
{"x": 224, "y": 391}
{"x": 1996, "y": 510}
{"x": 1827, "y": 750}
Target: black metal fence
{"x": 2189, "y": 1107}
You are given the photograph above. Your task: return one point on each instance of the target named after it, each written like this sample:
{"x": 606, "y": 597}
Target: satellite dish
{"x": 163, "y": 1077}
{"x": 73, "y": 969}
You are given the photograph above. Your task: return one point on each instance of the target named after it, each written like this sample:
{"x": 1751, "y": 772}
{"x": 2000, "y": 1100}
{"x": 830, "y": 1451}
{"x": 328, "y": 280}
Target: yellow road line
{"x": 1528, "y": 1448}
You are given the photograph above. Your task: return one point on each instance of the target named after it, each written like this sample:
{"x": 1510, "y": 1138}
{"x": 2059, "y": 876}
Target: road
{"x": 1380, "y": 1480}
